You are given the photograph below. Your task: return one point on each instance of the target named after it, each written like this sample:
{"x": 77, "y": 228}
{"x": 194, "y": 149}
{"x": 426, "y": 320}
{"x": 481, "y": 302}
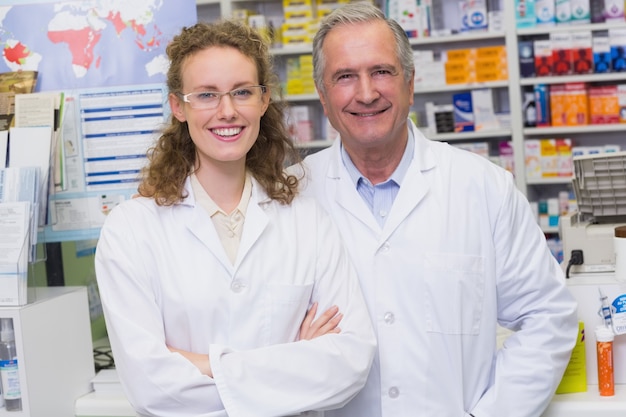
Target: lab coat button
{"x": 389, "y": 317}
{"x": 384, "y": 247}
{"x": 236, "y": 286}
{"x": 383, "y": 213}
{"x": 394, "y": 392}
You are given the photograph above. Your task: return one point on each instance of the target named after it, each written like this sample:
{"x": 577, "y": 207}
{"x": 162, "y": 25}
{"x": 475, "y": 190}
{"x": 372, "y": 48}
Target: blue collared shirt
{"x": 380, "y": 197}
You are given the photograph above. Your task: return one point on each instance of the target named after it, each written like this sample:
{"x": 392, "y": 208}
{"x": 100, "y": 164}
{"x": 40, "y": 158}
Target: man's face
{"x": 365, "y": 95}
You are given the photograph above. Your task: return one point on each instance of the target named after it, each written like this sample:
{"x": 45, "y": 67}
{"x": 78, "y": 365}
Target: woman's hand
{"x": 327, "y": 323}
{"x": 200, "y": 360}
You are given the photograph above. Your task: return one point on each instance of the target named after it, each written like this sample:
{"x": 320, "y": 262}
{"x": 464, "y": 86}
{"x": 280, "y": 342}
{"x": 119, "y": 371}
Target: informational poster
{"x": 106, "y": 135}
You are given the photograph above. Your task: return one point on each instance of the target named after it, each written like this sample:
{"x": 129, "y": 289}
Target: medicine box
{"x": 525, "y": 13}
{"x": 526, "y": 58}
{"x": 614, "y": 11}
{"x": 603, "y": 104}
{"x": 617, "y": 41}
{"x": 601, "y": 49}
{"x": 549, "y": 158}
{"x": 463, "y": 112}
{"x": 542, "y": 49}
{"x": 542, "y": 105}
{"x": 582, "y": 52}
{"x": 596, "y": 11}
{"x": 532, "y": 158}
{"x": 544, "y": 11}
{"x": 484, "y": 114}
{"x": 561, "y": 53}
{"x": 473, "y": 15}
{"x": 569, "y": 104}
{"x": 563, "y": 12}
{"x": 581, "y": 11}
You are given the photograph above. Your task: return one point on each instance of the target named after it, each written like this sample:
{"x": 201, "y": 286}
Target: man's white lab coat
{"x": 460, "y": 251}
{"x": 164, "y": 278}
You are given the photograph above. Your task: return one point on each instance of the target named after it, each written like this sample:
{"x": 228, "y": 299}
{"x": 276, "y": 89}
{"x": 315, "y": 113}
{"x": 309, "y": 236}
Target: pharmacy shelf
{"x": 575, "y": 78}
{"x": 514, "y": 86}
{"x": 318, "y": 143}
{"x": 460, "y": 136}
{"x": 457, "y": 38}
{"x": 302, "y": 97}
{"x": 550, "y": 229}
{"x": 568, "y": 28}
{"x": 569, "y": 130}
{"x": 549, "y": 181}
{"x": 293, "y": 50}
{"x": 460, "y": 87}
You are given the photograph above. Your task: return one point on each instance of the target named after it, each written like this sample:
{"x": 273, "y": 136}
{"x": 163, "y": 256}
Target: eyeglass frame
{"x": 219, "y": 94}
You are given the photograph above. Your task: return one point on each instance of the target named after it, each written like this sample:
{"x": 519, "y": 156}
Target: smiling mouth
{"x": 367, "y": 114}
{"x": 227, "y": 132}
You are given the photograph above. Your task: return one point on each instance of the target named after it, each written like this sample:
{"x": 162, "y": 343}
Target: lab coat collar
{"x": 413, "y": 189}
{"x": 256, "y": 220}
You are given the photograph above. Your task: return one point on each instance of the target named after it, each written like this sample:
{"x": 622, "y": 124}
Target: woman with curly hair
{"x": 212, "y": 278}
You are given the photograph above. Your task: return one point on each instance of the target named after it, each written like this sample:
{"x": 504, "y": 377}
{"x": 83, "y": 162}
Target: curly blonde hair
{"x": 172, "y": 158}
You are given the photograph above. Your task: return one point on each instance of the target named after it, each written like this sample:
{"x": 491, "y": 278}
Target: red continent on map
{"x": 138, "y": 28}
{"x": 16, "y": 54}
{"x": 81, "y": 44}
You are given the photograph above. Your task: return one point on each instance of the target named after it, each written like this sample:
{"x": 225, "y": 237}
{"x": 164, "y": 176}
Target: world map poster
{"x": 92, "y": 43}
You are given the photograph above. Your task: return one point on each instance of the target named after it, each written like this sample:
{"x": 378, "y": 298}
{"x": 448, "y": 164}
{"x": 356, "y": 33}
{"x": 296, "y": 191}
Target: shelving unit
{"x": 509, "y": 93}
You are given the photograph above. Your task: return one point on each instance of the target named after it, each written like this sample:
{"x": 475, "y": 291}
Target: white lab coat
{"x": 164, "y": 278}
{"x": 460, "y": 251}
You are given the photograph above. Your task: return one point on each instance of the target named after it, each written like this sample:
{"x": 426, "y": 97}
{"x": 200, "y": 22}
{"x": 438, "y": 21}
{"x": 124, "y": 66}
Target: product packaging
{"x": 604, "y": 350}
{"x": 575, "y": 376}
{"x": 463, "y": 112}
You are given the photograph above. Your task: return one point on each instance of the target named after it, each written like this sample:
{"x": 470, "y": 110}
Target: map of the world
{"x": 93, "y": 43}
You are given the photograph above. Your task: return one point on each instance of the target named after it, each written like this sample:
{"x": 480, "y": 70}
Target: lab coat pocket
{"x": 288, "y": 305}
{"x": 454, "y": 291}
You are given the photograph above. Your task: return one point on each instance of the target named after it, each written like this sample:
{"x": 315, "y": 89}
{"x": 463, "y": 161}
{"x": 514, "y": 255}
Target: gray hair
{"x": 359, "y": 12}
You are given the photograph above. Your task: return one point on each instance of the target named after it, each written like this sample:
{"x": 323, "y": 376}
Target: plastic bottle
{"x": 604, "y": 349}
{"x": 9, "y": 373}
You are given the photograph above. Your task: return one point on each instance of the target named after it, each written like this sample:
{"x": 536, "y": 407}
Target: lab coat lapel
{"x": 414, "y": 186}
{"x": 256, "y": 220}
{"x": 342, "y": 190}
{"x": 201, "y": 226}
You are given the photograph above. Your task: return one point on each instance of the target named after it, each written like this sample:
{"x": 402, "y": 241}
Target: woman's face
{"x": 222, "y": 127}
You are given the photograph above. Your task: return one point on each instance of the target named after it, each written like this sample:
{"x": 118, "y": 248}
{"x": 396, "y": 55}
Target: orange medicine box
{"x": 568, "y": 104}
{"x": 603, "y": 104}
{"x": 461, "y": 54}
{"x": 461, "y": 77}
{"x": 491, "y": 52}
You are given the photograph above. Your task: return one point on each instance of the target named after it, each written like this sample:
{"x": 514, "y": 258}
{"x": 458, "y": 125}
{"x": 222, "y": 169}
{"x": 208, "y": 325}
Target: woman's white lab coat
{"x": 165, "y": 279}
{"x": 460, "y": 251}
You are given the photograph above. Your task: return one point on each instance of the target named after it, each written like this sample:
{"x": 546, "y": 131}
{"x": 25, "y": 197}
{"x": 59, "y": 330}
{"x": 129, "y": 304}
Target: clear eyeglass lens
{"x": 211, "y": 99}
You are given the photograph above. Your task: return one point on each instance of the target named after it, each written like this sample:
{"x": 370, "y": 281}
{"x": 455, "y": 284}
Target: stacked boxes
{"x": 464, "y": 66}
{"x": 301, "y": 19}
{"x": 300, "y": 75}
{"x": 300, "y": 123}
{"x": 568, "y": 104}
{"x": 548, "y": 158}
{"x": 428, "y": 72}
{"x": 603, "y": 104}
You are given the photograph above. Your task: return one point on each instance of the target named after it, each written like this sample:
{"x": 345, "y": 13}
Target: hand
{"x": 327, "y": 323}
{"x": 200, "y": 360}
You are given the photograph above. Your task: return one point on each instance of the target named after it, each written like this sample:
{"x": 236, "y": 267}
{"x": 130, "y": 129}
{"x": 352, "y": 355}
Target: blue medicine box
{"x": 463, "y": 112}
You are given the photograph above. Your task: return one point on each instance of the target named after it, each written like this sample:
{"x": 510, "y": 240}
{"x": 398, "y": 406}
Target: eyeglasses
{"x": 243, "y": 96}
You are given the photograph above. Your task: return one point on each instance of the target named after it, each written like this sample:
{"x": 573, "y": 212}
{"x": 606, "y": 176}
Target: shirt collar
{"x": 212, "y": 208}
{"x": 397, "y": 176}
